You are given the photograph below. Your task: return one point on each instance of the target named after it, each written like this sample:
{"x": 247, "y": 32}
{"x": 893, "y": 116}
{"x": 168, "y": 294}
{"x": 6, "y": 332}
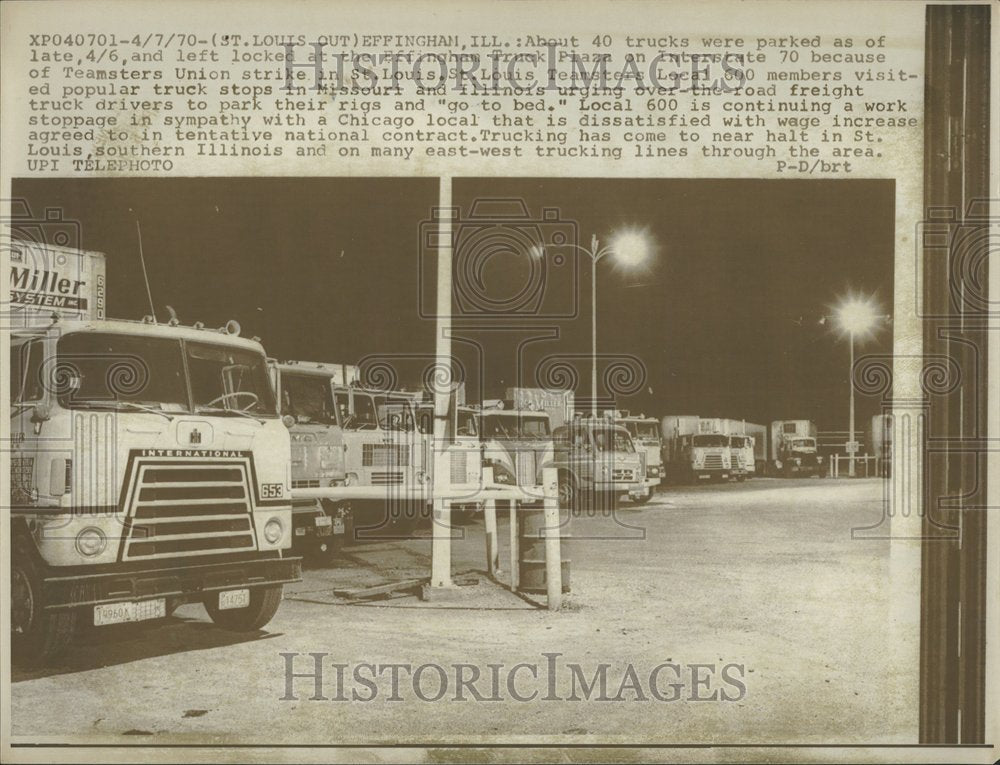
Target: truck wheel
{"x": 644, "y": 498}
{"x": 264, "y": 602}
{"x": 569, "y": 494}
{"x": 36, "y": 635}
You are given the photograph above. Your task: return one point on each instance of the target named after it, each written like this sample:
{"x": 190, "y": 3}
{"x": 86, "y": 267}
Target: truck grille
{"x": 387, "y": 477}
{"x": 525, "y": 464}
{"x": 189, "y": 509}
{"x": 306, "y": 483}
{"x": 713, "y": 462}
{"x": 623, "y": 474}
{"x": 459, "y": 466}
{"x": 737, "y": 461}
{"x": 385, "y": 455}
{"x": 21, "y": 471}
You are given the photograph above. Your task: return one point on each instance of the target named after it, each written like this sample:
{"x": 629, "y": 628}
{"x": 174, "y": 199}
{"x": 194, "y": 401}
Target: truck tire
{"x": 569, "y": 492}
{"x": 643, "y": 499}
{"x": 264, "y": 602}
{"x": 36, "y": 635}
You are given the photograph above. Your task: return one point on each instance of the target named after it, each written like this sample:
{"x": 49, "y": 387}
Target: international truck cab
{"x": 645, "y": 432}
{"x": 709, "y": 456}
{"x": 304, "y": 392}
{"x": 149, "y": 468}
{"x": 696, "y": 448}
{"x": 793, "y": 449}
{"x": 595, "y": 456}
{"x": 517, "y": 445}
{"x": 741, "y": 456}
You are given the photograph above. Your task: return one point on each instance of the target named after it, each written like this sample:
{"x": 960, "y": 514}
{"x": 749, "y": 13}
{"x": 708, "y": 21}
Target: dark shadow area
{"x": 98, "y": 647}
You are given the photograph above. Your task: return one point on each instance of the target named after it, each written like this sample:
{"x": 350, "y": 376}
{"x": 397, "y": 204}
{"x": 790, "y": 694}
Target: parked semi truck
{"x": 758, "y": 434}
{"x": 645, "y": 432}
{"x": 880, "y": 442}
{"x": 695, "y": 448}
{"x": 515, "y": 443}
{"x": 594, "y": 456}
{"x": 149, "y": 467}
{"x": 304, "y": 392}
{"x": 742, "y": 445}
{"x": 792, "y": 449}
{"x": 736, "y": 442}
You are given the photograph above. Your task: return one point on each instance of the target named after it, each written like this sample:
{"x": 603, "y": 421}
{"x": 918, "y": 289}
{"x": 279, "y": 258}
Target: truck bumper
{"x": 711, "y": 475}
{"x": 620, "y": 487}
{"x": 649, "y": 483}
{"x": 179, "y": 582}
{"x": 310, "y": 519}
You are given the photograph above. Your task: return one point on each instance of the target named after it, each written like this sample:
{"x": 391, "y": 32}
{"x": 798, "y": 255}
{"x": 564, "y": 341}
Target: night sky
{"x": 725, "y": 317}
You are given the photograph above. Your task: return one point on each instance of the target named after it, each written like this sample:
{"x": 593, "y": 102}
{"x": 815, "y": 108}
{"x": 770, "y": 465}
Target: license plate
{"x": 234, "y": 599}
{"x": 120, "y": 613}
{"x": 324, "y": 520}
{"x": 338, "y": 525}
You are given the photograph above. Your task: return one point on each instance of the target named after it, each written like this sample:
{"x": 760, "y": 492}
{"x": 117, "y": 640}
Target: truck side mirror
{"x": 40, "y": 413}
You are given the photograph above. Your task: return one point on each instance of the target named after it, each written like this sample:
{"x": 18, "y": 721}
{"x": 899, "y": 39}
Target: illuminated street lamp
{"x": 629, "y": 248}
{"x": 857, "y": 316}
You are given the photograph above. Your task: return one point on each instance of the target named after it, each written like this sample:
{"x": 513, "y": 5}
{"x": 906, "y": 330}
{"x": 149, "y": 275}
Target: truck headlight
{"x": 91, "y": 541}
{"x": 798, "y": 460}
{"x": 273, "y": 531}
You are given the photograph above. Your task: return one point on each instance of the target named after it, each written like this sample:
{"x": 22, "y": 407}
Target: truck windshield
{"x": 712, "y": 440}
{"x": 229, "y": 379}
{"x": 643, "y": 429}
{"x": 803, "y": 443}
{"x": 395, "y": 417}
{"x": 25, "y": 368}
{"x": 363, "y": 417}
{"x": 499, "y": 426}
{"x": 737, "y": 442}
{"x": 425, "y": 420}
{"x": 466, "y": 424}
{"x": 612, "y": 440}
{"x": 103, "y": 369}
{"x": 308, "y": 399}
{"x": 514, "y": 426}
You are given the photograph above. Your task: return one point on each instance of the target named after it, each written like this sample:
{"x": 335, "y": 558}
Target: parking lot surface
{"x": 762, "y": 577}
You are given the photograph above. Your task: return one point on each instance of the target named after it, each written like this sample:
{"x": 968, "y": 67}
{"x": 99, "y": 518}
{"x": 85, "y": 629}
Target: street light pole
{"x": 630, "y": 248}
{"x": 593, "y": 326}
{"x": 857, "y": 315}
{"x": 850, "y": 435}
